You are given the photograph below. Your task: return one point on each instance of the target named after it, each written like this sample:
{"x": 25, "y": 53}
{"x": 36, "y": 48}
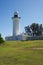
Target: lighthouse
{"x": 16, "y": 24}
{"x": 16, "y": 35}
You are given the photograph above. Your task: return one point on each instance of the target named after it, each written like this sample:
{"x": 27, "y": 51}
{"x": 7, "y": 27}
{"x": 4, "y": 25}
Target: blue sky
{"x": 30, "y": 11}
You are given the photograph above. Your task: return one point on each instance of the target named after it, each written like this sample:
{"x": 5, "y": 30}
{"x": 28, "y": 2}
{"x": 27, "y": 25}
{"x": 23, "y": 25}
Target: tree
{"x": 33, "y": 28}
{"x": 41, "y": 29}
{"x": 0, "y": 35}
{"x": 27, "y": 29}
{"x": 1, "y": 39}
{"x": 36, "y": 29}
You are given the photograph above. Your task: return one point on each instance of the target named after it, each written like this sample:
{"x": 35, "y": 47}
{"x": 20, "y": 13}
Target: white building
{"x": 16, "y": 29}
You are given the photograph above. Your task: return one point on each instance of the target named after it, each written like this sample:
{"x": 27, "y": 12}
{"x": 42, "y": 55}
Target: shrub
{"x": 1, "y": 39}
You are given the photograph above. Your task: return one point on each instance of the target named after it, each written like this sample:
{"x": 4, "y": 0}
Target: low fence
{"x": 35, "y": 38}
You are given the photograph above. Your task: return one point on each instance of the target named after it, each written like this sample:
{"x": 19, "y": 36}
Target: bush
{"x": 1, "y": 39}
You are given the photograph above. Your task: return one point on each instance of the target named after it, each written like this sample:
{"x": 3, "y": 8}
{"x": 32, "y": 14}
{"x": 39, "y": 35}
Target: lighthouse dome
{"x": 16, "y": 14}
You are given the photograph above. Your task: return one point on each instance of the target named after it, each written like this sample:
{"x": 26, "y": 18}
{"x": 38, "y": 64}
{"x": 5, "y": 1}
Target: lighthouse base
{"x": 18, "y": 37}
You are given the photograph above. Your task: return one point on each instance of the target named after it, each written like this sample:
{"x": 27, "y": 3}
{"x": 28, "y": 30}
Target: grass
{"x": 20, "y": 53}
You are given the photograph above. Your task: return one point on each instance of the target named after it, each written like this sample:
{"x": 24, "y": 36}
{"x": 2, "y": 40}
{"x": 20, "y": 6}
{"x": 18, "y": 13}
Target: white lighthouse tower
{"x": 16, "y": 29}
{"x": 16, "y": 24}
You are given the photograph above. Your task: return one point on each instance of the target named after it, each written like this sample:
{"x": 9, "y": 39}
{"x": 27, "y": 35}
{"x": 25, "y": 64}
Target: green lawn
{"x": 21, "y": 53}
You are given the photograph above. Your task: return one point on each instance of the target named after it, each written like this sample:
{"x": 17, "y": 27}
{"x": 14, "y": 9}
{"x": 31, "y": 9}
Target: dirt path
{"x": 37, "y": 48}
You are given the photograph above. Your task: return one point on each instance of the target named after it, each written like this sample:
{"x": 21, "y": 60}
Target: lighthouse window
{"x": 15, "y": 15}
